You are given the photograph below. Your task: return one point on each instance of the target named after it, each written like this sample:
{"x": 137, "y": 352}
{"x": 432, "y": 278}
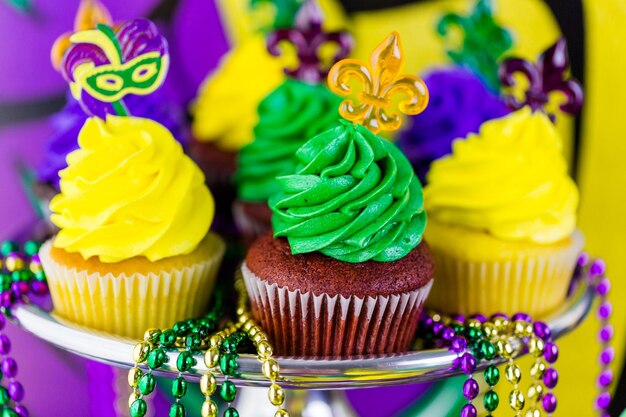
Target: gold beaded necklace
{"x": 212, "y": 357}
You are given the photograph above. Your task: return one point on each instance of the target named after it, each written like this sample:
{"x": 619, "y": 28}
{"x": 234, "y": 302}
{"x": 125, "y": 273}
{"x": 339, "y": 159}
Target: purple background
{"x": 30, "y": 36}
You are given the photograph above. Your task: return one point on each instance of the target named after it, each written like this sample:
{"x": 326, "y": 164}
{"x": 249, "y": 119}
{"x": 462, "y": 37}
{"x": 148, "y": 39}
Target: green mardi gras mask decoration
{"x": 104, "y": 65}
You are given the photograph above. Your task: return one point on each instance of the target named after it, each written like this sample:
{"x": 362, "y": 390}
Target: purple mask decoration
{"x": 307, "y": 36}
{"x": 104, "y": 65}
{"x": 549, "y": 75}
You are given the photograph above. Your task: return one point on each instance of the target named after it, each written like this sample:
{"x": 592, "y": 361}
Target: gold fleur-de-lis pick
{"x": 383, "y": 92}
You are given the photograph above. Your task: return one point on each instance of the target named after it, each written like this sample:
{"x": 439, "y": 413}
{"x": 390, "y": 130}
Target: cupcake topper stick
{"x": 484, "y": 42}
{"x": 308, "y": 37}
{"x": 382, "y": 87}
{"x": 89, "y": 14}
{"x": 549, "y": 75}
{"x": 103, "y": 65}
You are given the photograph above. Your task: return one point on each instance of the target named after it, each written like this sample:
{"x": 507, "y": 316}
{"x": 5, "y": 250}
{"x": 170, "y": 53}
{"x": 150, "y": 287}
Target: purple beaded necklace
{"x": 20, "y": 275}
{"x": 481, "y": 338}
{"x": 596, "y": 271}
{"x": 472, "y": 339}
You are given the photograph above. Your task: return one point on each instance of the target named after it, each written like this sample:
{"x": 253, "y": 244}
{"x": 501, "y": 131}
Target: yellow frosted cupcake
{"x": 502, "y": 219}
{"x": 225, "y": 111}
{"x": 134, "y": 249}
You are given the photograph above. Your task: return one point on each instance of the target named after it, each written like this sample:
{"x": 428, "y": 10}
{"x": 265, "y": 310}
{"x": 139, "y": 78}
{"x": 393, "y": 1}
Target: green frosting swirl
{"x": 288, "y": 117}
{"x": 353, "y": 197}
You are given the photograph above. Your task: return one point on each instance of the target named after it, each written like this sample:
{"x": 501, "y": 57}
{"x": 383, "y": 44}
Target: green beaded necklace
{"x": 187, "y": 335}
{"x": 221, "y": 351}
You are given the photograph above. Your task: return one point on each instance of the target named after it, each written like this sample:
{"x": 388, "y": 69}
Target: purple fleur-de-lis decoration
{"x": 308, "y": 37}
{"x": 549, "y": 75}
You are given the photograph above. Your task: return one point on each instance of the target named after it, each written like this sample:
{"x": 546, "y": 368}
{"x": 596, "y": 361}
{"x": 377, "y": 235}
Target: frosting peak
{"x": 353, "y": 197}
{"x": 68, "y": 122}
{"x": 288, "y": 117}
{"x": 509, "y": 180}
{"x": 129, "y": 190}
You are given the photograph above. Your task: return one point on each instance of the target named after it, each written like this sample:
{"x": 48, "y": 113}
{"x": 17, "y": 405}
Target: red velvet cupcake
{"x": 347, "y": 272}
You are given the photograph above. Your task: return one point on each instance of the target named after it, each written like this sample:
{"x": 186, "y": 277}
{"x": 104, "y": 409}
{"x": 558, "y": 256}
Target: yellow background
{"x": 602, "y": 173}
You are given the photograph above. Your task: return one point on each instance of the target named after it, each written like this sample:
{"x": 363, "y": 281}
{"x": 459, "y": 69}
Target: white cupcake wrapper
{"x": 533, "y": 284}
{"x": 129, "y": 305}
{"x": 306, "y": 324}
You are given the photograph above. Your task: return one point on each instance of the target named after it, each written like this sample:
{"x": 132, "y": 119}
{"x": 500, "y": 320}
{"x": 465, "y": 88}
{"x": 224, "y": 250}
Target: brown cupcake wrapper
{"x": 249, "y": 227}
{"x": 321, "y": 325}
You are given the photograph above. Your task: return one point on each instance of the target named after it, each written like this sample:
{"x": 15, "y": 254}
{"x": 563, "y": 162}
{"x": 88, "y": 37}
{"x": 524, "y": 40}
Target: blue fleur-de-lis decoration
{"x": 484, "y": 42}
{"x": 308, "y": 37}
{"x": 548, "y": 76}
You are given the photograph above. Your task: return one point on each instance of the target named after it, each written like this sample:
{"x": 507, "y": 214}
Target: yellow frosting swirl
{"x": 129, "y": 190}
{"x": 225, "y": 111}
{"x": 510, "y": 180}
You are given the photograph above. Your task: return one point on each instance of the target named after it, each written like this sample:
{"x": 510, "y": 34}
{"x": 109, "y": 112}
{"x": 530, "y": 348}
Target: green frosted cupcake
{"x": 346, "y": 272}
{"x": 293, "y": 113}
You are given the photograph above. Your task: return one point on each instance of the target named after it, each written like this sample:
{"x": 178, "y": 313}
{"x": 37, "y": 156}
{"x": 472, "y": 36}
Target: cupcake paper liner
{"x": 249, "y": 227}
{"x": 320, "y": 325}
{"x": 129, "y": 305}
{"x": 535, "y": 284}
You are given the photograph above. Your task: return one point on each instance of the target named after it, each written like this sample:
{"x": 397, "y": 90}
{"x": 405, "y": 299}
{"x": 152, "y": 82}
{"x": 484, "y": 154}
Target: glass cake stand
{"x": 316, "y": 384}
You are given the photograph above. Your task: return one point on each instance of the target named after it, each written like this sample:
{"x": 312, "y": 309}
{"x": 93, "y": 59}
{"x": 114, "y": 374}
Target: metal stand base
{"x": 300, "y": 403}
